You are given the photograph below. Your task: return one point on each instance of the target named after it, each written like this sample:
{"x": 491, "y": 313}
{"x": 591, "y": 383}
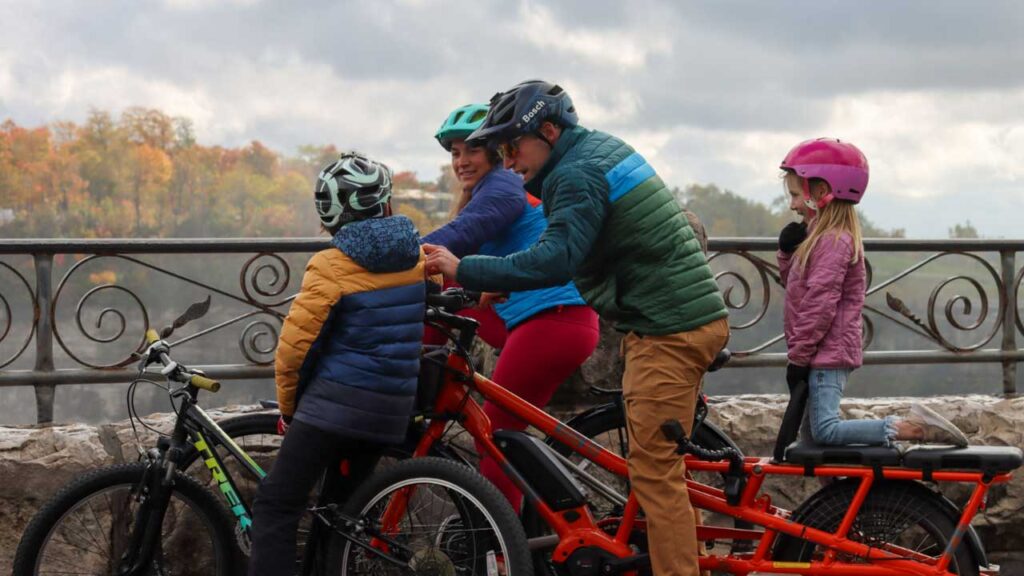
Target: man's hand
{"x": 440, "y": 261}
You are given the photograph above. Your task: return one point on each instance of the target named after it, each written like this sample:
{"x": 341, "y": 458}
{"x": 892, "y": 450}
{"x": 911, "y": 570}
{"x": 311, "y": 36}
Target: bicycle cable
{"x": 133, "y": 414}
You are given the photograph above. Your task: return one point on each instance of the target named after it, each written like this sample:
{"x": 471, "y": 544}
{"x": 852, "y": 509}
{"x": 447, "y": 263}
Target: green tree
{"x": 965, "y": 230}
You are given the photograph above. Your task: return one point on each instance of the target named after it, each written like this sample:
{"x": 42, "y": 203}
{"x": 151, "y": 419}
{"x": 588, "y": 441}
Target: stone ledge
{"x": 35, "y": 462}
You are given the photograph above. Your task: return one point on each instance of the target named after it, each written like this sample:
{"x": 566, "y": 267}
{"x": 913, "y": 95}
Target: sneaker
{"x": 936, "y": 429}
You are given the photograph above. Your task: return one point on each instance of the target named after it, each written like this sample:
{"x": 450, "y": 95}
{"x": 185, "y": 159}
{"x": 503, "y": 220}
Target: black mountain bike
{"x": 149, "y": 518}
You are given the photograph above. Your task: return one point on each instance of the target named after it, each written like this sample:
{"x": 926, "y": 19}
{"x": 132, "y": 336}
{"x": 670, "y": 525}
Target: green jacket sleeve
{"x": 576, "y": 204}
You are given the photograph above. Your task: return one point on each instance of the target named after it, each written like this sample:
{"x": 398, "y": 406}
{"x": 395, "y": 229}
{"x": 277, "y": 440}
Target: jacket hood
{"x": 390, "y": 244}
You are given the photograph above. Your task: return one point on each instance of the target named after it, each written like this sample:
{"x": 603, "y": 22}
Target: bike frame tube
{"x": 203, "y": 423}
{"x": 976, "y": 501}
{"x": 583, "y": 531}
{"x": 851, "y": 513}
{"x": 211, "y": 428}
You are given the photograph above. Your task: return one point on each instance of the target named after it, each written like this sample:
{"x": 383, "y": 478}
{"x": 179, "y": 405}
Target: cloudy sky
{"x": 711, "y": 92}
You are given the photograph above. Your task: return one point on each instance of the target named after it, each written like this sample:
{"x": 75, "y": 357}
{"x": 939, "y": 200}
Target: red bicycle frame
{"x": 576, "y": 528}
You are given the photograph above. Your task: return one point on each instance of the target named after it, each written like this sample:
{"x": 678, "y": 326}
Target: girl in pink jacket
{"x": 821, "y": 261}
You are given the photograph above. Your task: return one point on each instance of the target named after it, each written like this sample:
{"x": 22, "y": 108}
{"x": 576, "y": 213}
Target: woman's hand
{"x": 440, "y": 261}
{"x": 488, "y": 299}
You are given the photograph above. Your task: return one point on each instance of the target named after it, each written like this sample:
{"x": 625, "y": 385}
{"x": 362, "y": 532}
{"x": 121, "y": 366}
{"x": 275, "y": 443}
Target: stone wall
{"x": 36, "y": 462}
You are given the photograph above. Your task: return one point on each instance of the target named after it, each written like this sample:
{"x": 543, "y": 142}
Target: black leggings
{"x": 284, "y": 494}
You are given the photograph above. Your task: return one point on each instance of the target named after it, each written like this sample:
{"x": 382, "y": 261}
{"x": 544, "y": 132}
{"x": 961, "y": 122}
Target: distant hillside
{"x": 143, "y": 174}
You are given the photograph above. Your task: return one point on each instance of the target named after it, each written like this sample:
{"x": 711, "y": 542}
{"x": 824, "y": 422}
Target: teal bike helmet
{"x": 460, "y": 124}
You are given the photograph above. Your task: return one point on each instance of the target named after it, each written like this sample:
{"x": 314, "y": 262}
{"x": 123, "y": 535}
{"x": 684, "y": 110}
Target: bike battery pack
{"x": 541, "y": 469}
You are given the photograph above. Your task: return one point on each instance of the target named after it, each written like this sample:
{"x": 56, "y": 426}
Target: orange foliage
{"x": 144, "y": 175}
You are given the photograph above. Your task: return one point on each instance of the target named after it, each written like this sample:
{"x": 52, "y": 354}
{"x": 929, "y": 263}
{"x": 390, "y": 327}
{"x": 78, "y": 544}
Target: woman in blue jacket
{"x": 550, "y": 331}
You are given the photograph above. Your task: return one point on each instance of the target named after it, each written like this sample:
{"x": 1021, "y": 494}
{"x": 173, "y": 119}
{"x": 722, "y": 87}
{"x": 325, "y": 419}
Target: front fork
{"x": 154, "y": 494}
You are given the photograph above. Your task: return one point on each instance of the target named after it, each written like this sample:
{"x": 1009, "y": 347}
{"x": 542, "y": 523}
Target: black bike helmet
{"x": 522, "y": 109}
{"x": 351, "y": 188}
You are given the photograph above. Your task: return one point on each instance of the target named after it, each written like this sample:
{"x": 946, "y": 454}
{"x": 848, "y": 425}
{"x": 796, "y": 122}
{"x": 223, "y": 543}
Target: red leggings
{"x": 538, "y": 356}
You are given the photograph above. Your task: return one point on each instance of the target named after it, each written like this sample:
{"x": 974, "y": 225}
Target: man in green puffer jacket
{"x": 617, "y": 231}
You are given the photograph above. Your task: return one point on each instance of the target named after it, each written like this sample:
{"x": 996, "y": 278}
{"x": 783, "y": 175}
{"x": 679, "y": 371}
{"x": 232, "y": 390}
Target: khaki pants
{"x": 661, "y": 382}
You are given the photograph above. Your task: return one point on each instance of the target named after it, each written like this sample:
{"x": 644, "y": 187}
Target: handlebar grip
{"x": 151, "y": 336}
{"x": 204, "y": 383}
{"x": 454, "y": 299}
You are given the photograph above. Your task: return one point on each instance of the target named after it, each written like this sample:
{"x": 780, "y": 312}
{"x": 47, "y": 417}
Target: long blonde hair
{"x": 459, "y": 202}
{"x": 836, "y": 217}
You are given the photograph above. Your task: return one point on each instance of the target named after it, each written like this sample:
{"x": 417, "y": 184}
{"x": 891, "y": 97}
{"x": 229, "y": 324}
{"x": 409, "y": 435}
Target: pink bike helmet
{"x": 839, "y": 163}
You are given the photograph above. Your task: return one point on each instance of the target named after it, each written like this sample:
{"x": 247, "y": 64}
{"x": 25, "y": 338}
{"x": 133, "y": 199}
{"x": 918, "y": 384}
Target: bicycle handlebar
{"x": 204, "y": 383}
{"x": 673, "y": 431}
{"x": 735, "y": 479}
{"x": 453, "y": 299}
{"x": 443, "y": 308}
{"x": 172, "y": 369}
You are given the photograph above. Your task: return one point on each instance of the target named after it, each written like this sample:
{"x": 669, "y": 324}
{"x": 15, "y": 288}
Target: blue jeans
{"x": 823, "y": 423}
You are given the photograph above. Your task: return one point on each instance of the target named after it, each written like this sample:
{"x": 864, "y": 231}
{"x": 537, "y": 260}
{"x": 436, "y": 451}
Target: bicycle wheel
{"x": 455, "y": 523}
{"x": 86, "y": 527}
{"x": 901, "y": 517}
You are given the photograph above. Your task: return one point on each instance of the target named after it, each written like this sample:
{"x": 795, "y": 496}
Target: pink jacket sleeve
{"x": 826, "y": 271}
{"x": 785, "y": 261}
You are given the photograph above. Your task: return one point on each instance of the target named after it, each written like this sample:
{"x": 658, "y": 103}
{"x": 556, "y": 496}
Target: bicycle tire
{"x": 490, "y": 524}
{"x": 73, "y": 497}
{"x": 888, "y": 505}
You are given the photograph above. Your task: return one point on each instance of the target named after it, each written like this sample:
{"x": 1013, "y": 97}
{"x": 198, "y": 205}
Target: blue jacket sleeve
{"x": 497, "y": 202}
{"x": 577, "y": 205}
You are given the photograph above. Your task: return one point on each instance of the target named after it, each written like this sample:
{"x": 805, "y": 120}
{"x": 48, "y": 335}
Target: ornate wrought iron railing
{"x": 979, "y": 326}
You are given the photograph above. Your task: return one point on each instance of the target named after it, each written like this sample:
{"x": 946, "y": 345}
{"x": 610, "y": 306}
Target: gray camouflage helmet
{"x": 351, "y": 188}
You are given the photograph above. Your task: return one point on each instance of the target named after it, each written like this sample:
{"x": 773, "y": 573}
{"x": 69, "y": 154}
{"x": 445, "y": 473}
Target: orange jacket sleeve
{"x": 320, "y": 292}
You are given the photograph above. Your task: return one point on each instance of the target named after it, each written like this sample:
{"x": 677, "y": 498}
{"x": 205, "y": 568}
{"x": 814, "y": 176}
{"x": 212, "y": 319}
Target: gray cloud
{"x": 715, "y": 91}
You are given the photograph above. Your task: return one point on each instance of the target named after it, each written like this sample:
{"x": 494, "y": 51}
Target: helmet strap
{"x": 808, "y": 201}
{"x": 815, "y": 205}
{"x": 825, "y": 200}
{"x": 543, "y": 138}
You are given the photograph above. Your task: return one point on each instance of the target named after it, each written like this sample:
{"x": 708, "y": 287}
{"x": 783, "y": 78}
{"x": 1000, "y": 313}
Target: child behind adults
{"x": 361, "y": 300}
{"x": 821, "y": 262}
